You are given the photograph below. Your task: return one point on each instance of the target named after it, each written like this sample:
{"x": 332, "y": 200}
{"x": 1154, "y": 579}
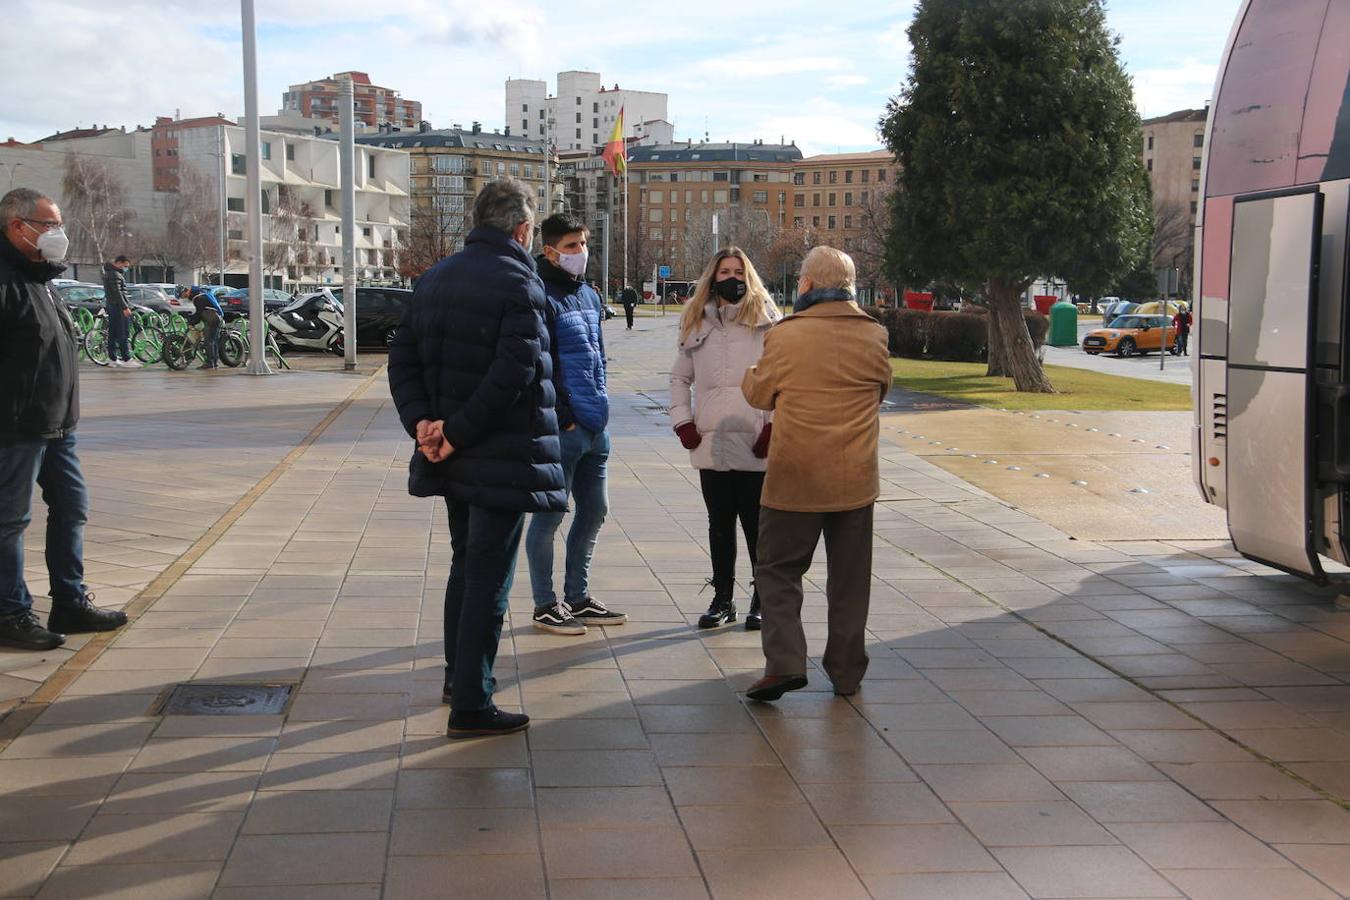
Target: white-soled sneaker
{"x": 557, "y": 619}
{"x": 592, "y": 612}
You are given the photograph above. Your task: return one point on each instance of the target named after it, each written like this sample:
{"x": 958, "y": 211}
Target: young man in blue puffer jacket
{"x": 574, "y": 313}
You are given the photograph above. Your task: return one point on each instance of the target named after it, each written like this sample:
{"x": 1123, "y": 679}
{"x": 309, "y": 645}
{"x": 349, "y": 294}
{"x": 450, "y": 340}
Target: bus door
{"x": 1272, "y": 440}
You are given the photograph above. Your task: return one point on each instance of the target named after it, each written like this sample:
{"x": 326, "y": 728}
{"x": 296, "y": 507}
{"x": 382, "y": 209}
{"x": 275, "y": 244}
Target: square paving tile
{"x": 306, "y": 859}
{"x": 1236, "y": 781}
{"x": 179, "y": 837}
{"x": 136, "y": 881}
{"x": 1247, "y": 884}
{"x": 884, "y": 849}
{"x": 312, "y": 812}
{"x": 1030, "y": 824}
{"x": 945, "y": 886}
{"x": 735, "y": 785}
{"x": 608, "y": 807}
{"x": 773, "y": 875}
{"x": 1198, "y": 845}
{"x": 885, "y": 803}
{"x": 1138, "y": 801}
{"x": 1083, "y": 872}
{"x": 439, "y": 832}
{"x": 1290, "y": 821}
{"x": 648, "y": 852}
{"x": 496, "y": 875}
{"x": 788, "y": 828}
{"x": 25, "y": 866}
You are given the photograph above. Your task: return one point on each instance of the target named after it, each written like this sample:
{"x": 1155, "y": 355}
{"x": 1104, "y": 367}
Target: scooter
{"x": 313, "y": 322}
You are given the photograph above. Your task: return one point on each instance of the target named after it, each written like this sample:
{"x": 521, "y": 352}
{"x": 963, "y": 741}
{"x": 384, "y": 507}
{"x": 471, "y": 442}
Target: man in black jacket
{"x": 470, "y": 373}
{"x": 117, "y": 305}
{"x": 39, "y": 406}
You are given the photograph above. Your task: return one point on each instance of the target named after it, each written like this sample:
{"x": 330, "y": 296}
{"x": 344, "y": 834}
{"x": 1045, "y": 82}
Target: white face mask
{"x": 574, "y": 264}
{"x": 52, "y": 244}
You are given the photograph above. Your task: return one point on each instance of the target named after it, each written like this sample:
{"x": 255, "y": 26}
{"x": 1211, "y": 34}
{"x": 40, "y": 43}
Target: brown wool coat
{"x": 824, "y": 373}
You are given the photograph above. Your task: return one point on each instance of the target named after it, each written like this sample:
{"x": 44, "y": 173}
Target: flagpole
{"x": 625, "y": 228}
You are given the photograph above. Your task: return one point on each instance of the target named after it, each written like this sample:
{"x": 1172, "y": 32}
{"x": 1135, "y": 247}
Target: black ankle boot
{"x": 752, "y": 618}
{"x": 722, "y": 611}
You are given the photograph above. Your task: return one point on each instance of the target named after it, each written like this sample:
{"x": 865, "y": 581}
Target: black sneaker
{"x": 23, "y": 630}
{"x": 81, "y": 615}
{"x": 485, "y": 723}
{"x": 722, "y": 611}
{"x": 558, "y": 619}
{"x": 592, "y": 612}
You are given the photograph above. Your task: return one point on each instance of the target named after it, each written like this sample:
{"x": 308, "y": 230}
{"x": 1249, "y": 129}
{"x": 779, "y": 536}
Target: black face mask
{"x": 730, "y": 289}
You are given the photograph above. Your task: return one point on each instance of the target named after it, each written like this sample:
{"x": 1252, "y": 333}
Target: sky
{"x": 819, "y": 74}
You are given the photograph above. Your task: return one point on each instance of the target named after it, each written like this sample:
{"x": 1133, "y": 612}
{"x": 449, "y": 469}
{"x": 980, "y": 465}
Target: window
{"x": 1195, "y": 163}
{"x": 515, "y": 170}
{"x": 799, "y": 178}
{"x": 328, "y": 198}
{"x": 848, "y": 221}
{"x": 848, "y": 198}
{"x": 833, "y": 199}
{"x": 815, "y": 221}
{"x": 782, "y": 198}
{"x": 760, "y": 197}
{"x": 721, "y": 176}
{"x": 595, "y": 139}
{"x": 1199, "y": 140}
{"x": 862, "y": 198}
{"x": 290, "y": 152}
{"x": 578, "y": 118}
{"x": 1148, "y": 164}
{"x": 834, "y": 177}
{"x": 524, "y": 126}
{"x": 866, "y": 175}
{"x": 541, "y": 114}
{"x": 235, "y": 204}
{"x": 1194, "y": 207}
{"x": 237, "y": 164}
{"x": 365, "y": 231}
{"x": 450, "y": 183}
{"x": 266, "y": 149}
{"x": 1195, "y": 185}
{"x": 815, "y": 199}
{"x": 830, "y": 222}
{"x": 688, "y": 196}
{"x": 881, "y": 174}
{"x": 848, "y": 176}
{"x": 578, "y": 99}
{"x": 578, "y": 133}
{"x": 370, "y": 166}
{"x": 799, "y": 201}
{"x": 797, "y": 222}
{"x": 501, "y": 169}
{"x": 595, "y": 107}
{"x": 674, "y": 215}
{"x": 485, "y": 167}
{"x": 719, "y": 197}
{"x": 656, "y": 197}
{"x": 524, "y": 107}
{"x": 236, "y": 234}
{"x": 655, "y": 234}
{"x": 595, "y": 123}
{"x": 735, "y": 195}
{"x": 703, "y": 196}
{"x": 1150, "y": 142}
{"x": 674, "y": 176}
{"x": 654, "y": 215}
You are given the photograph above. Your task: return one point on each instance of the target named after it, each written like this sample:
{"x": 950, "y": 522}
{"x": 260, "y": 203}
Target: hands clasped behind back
{"x": 431, "y": 440}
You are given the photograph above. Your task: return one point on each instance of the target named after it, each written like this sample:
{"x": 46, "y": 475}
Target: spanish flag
{"x": 615, "y": 154}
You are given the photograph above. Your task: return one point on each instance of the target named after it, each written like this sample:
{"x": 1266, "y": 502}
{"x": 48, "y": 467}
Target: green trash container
{"x": 1063, "y": 325}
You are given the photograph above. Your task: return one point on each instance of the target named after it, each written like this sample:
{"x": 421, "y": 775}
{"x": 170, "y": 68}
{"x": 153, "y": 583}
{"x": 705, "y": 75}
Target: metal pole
{"x": 347, "y": 166}
{"x": 604, "y": 266}
{"x": 257, "y": 364}
{"x": 548, "y": 169}
{"x": 220, "y": 147}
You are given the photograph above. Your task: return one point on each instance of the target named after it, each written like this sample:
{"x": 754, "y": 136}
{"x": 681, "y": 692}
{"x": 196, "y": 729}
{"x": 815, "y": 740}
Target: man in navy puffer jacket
{"x": 574, "y": 316}
{"x": 471, "y": 375}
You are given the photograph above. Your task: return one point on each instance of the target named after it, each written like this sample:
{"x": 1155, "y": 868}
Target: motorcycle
{"x": 313, "y": 322}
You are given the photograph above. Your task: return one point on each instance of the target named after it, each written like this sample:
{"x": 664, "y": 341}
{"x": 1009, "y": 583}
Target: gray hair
{"x": 504, "y": 204}
{"x": 20, "y": 203}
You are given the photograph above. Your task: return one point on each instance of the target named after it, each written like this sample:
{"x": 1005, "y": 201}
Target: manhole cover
{"x": 198, "y": 699}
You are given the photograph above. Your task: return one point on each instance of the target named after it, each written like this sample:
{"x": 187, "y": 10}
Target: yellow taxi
{"x": 1131, "y": 334}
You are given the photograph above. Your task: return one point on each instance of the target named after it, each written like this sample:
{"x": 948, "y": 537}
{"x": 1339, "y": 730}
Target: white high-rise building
{"x": 583, "y": 111}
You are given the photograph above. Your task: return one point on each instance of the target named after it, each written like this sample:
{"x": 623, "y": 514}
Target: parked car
{"x": 379, "y": 310}
{"x": 1130, "y": 335}
{"x": 82, "y": 295}
{"x": 234, "y": 301}
{"x": 160, "y": 298}
{"x": 1116, "y": 309}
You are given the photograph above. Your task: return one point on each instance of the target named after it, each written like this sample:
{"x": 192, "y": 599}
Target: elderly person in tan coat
{"x": 824, "y": 372}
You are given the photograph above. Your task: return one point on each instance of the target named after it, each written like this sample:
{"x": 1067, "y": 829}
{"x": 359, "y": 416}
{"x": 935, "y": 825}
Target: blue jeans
{"x": 483, "y": 544}
{"x": 52, "y": 465}
{"x": 119, "y": 330}
{"x": 585, "y": 457}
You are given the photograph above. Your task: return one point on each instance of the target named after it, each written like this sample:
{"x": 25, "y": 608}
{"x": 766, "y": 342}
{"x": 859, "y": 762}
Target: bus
{"x": 1271, "y": 439}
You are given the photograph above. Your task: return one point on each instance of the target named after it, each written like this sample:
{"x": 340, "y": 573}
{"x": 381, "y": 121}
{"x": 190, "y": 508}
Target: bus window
{"x": 1259, "y": 110}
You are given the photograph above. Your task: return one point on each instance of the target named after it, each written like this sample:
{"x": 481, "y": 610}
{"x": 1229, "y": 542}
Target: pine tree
{"x": 1017, "y": 141}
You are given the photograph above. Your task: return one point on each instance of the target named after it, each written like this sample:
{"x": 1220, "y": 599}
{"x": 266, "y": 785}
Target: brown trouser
{"x": 787, "y": 542}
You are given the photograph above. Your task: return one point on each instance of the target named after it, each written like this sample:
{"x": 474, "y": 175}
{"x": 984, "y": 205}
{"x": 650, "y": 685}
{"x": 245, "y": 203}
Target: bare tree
{"x": 96, "y": 207}
{"x": 431, "y": 236}
{"x": 192, "y": 224}
{"x": 869, "y": 250}
{"x": 283, "y": 229}
{"x": 1174, "y": 242}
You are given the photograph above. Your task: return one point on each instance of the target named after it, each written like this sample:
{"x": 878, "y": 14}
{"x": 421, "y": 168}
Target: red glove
{"x": 761, "y": 447}
{"x": 689, "y": 436}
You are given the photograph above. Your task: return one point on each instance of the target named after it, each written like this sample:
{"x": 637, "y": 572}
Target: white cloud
{"x": 1158, "y": 92}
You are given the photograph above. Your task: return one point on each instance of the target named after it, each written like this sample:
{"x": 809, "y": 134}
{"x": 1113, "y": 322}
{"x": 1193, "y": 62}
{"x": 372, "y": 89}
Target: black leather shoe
{"x": 721, "y": 612}
{"x": 23, "y": 630}
{"x": 753, "y": 620}
{"x": 771, "y": 687}
{"x": 81, "y": 616}
{"x": 485, "y": 723}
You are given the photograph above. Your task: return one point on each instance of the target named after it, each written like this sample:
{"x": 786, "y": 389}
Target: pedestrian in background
{"x": 629, "y": 298}
{"x": 39, "y": 409}
{"x": 471, "y": 374}
{"x": 575, "y": 315}
{"x": 117, "y": 306}
{"x": 207, "y": 313}
{"x": 722, "y": 332}
{"x": 824, "y": 373}
{"x": 1182, "y": 323}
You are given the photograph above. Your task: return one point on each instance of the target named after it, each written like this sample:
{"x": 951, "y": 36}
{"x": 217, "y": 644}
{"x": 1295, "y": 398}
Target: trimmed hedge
{"x": 950, "y": 336}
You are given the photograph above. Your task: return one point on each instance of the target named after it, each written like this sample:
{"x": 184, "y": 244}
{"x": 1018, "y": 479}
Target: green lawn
{"x": 1078, "y": 389}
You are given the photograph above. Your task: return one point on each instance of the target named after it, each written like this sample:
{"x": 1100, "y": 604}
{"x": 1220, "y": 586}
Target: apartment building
{"x": 583, "y": 110}
{"x": 448, "y": 167}
{"x": 373, "y": 105}
{"x": 1173, "y": 148}
{"x": 835, "y": 194}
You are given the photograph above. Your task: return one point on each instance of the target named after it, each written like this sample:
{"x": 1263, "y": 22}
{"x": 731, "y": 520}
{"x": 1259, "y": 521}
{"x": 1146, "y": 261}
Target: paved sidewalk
{"x": 1043, "y": 716}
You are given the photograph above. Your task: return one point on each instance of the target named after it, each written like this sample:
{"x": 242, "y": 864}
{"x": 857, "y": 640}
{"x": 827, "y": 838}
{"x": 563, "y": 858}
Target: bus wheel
{"x": 1126, "y": 347}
